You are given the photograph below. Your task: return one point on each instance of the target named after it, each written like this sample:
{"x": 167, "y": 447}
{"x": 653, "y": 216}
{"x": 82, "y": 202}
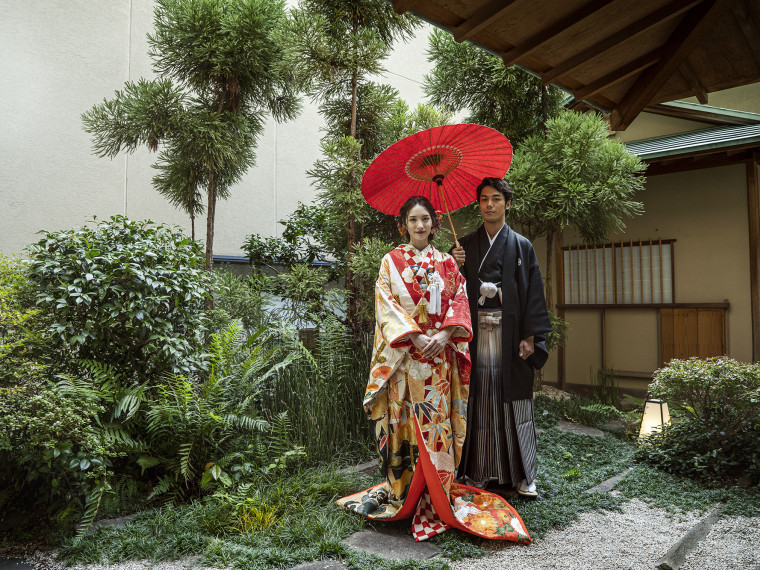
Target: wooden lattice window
{"x": 624, "y": 273}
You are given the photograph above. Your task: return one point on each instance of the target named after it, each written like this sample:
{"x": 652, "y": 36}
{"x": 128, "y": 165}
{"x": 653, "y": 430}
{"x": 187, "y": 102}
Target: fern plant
{"x": 194, "y": 429}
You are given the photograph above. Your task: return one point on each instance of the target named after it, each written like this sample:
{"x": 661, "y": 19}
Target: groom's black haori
{"x": 500, "y": 443}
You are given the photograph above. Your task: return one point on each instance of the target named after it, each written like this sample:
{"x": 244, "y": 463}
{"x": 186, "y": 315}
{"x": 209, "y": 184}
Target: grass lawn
{"x": 294, "y": 519}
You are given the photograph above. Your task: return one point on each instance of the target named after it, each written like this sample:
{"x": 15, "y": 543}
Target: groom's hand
{"x": 458, "y": 254}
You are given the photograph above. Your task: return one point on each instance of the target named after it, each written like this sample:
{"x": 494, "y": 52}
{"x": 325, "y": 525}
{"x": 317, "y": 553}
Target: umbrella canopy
{"x": 456, "y": 157}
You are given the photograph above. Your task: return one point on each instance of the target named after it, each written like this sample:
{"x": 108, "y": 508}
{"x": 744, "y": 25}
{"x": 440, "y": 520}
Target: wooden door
{"x": 687, "y": 332}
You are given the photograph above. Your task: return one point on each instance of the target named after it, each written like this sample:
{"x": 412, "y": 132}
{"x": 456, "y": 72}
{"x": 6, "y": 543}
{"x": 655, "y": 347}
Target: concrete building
{"x": 61, "y": 58}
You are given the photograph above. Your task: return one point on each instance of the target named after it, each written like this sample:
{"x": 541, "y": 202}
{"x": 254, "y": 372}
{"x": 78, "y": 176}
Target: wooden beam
{"x": 559, "y": 288}
{"x": 632, "y": 30}
{"x": 687, "y": 35}
{"x": 636, "y": 66}
{"x": 401, "y": 6}
{"x": 749, "y": 30}
{"x": 695, "y": 163}
{"x": 527, "y": 46}
{"x": 480, "y": 19}
{"x": 753, "y": 211}
{"x": 699, "y": 115}
{"x": 692, "y": 80}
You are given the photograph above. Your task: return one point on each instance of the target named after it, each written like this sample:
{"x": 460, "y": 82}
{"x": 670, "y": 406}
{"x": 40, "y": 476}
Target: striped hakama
{"x": 503, "y": 435}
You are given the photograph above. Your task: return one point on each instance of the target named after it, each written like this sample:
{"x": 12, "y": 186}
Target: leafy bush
{"x": 238, "y": 297}
{"x": 719, "y": 433}
{"x": 365, "y": 263}
{"x": 124, "y": 292}
{"x": 52, "y": 454}
{"x": 23, "y": 346}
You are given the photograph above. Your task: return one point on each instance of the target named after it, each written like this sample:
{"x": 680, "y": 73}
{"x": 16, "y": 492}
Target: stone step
{"x": 674, "y": 558}
{"x": 391, "y": 544}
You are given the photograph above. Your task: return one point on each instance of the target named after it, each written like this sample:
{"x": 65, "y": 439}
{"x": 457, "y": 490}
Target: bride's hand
{"x": 436, "y": 344}
{"x": 419, "y": 340}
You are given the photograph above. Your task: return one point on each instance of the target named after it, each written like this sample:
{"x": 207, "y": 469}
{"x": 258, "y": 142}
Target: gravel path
{"x": 632, "y": 540}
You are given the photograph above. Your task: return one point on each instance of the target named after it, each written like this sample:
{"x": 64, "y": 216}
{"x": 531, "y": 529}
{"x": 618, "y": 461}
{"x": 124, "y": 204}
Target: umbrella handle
{"x": 439, "y": 181}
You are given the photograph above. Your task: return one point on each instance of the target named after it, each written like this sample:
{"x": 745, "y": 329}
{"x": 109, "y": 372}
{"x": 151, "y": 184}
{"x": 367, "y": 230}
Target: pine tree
{"x": 339, "y": 45}
{"x": 508, "y": 99}
{"x": 575, "y": 177}
{"x": 221, "y": 68}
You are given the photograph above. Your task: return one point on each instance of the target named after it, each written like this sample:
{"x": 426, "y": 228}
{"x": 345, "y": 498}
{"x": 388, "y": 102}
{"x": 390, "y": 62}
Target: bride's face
{"x": 419, "y": 225}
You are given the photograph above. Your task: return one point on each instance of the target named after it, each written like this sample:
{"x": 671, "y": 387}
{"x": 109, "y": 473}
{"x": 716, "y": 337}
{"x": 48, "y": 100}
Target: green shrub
{"x": 718, "y": 433}
{"x": 52, "y": 455}
{"x": 23, "y": 346}
{"x": 238, "y": 297}
{"x": 124, "y": 292}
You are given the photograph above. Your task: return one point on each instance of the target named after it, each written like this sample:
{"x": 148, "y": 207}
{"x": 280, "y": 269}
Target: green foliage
{"x": 557, "y": 337}
{"x": 323, "y": 394}
{"x": 595, "y": 414}
{"x": 575, "y": 177}
{"x": 195, "y": 430}
{"x": 307, "y": 526}
{"x": 365, "y": 264}
{"x": 569, "y": 464}
{"x": 23, "y": 345}
{"x": 605, "y": 388}
{"x": 124, "y": 292}
{"x": 508, "y": 99}
{"x": 220, "y": 67}
{"x": 238, "y": 297}
{"x": 52, "y": 456}
{"x": 714, "y": 386}
{"x": 336, "y": 47}
{"x": 337, "y": 44}
{"x": 547, "y": 411}
{"x": 674, "y": 493}
{"x": 575, "y": 409}
{"x": 719, "y": 435}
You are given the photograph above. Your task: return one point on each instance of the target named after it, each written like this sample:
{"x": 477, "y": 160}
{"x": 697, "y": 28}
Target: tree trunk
{"x": 192, "y": 227}
{"x": 351, "y": 287}
{"x": 210, "y": 230}
{"x": 544, "y": 110}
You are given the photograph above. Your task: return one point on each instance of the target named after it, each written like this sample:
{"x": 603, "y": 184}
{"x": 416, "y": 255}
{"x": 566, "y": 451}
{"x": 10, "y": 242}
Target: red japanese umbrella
{"x": 443, "y": 164}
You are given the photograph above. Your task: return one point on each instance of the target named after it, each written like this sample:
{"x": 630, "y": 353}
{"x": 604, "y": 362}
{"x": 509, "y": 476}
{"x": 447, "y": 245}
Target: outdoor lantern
{"x": 656, "y": 415}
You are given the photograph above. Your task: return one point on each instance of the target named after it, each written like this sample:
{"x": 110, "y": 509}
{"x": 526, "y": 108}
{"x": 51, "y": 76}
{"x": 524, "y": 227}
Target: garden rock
{"x": 390, "y": 544}
{"x": 675, "y": 557}
{"x": 321, "y": 565}
{"x": 564, "y": 425}
{"x": 14, "y": 564}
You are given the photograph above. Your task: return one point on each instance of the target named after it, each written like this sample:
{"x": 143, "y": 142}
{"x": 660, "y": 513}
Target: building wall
{"x": 648, "y": 125}
{"x": 705, "y": 211}
{"x": 744, "y": 98}
{"x": 62, "y": 57}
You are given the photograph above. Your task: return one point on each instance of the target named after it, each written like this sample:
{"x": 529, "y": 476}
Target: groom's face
{"x": 493, "y": 206}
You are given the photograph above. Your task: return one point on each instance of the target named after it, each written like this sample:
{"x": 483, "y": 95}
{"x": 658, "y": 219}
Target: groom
{"x": 510, "y": 321}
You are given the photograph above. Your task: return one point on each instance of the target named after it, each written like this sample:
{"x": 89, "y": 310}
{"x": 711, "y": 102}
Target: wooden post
{"x": 560, "y": 291}
{"x": 753, "y": 211}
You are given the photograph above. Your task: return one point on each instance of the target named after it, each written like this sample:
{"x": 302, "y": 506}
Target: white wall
{"x": 59, "y": 58}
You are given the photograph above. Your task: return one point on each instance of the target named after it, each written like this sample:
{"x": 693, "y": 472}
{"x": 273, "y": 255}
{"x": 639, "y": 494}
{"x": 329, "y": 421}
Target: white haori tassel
{"x": 434, "y": 288}
{"x": 487, "y": 290}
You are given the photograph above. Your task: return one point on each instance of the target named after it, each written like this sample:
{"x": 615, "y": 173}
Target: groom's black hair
{"x": 497, "y": 183}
